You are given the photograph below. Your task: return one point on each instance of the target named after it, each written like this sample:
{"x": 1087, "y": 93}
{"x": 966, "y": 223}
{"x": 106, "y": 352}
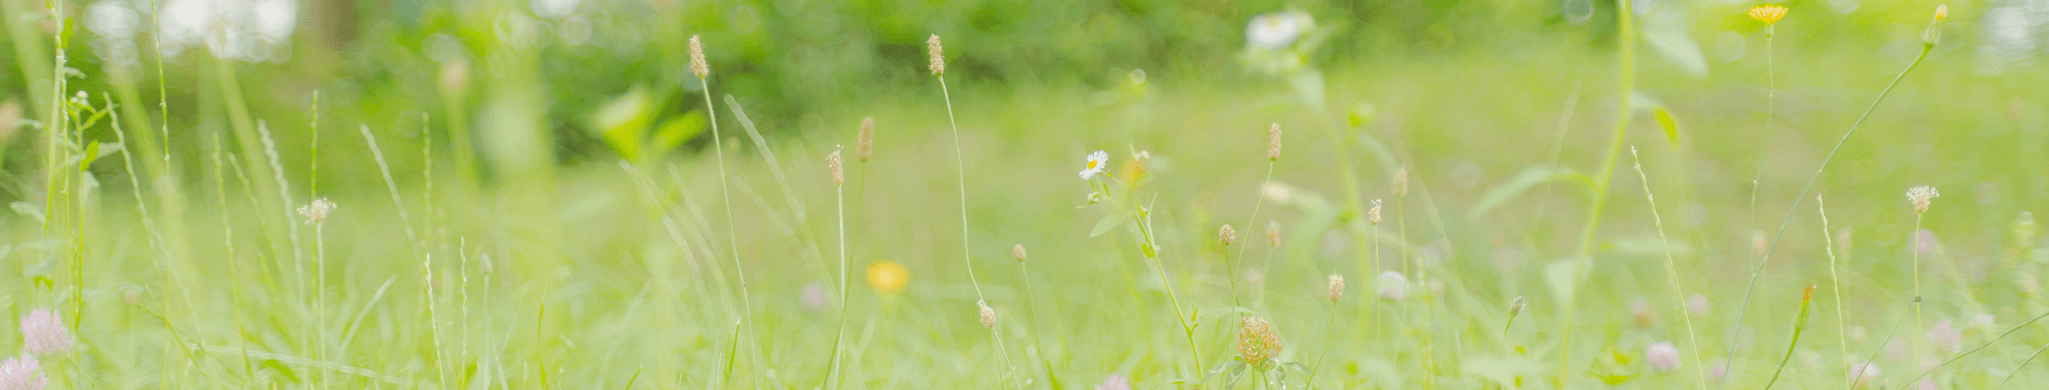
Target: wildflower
{"x": 1515, "y": 307}
{"x": 1698, "y": 304}
{"x": 1401, "y": 182}
{"x": 1922, "y": 196}
{"x": 1336, "y": 287}
{"x": 1759, "y": 244}
{"x": 1258, "y": 343}
{"x": 10, "y": 118}
{"x": 1945, "y": 336}
{"x": 1134, "y": 169}
{"x": 1273, "y": 142}
{"x": 1095, "y": 164}
{"x": 1768, "y": 13}
{"x": 1115, "y": 382}
{"x": 1662, "y": 356}
{"x": 316, "y": 212}
{"x": 1277, "y": 30}
{"x": 1640, "y": 312}
{"x": 813, "y": 296}
{"x": 455, "y": 76}
{"x": 1226, "y": 235}
{"x": 1864, "y": 373}
{"x": 1718, "y": 371}
{"x": 866, "y": 143}
{"x": 938, "y": 55}
{"x": 23, "y": 373}
{"x": 43, "y": 333}
{"x": 1373, "y": 214}
{"x": 697, "y": 65}
{"x": 1393, "y": 286}
{"x": 1018, "y": 252}
{"x": 1273, "y": 233}
{"x": 888, "y": 277}
{"x": 988, "y": 314}
{"x": 1982, "y": 320}
{"x": 839, "y": 172}
{"x": 1276, "y": 192}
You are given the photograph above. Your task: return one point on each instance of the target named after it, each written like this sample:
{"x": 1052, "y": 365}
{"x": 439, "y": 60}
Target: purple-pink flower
{"x": 1662, "y": 356}
{"x": 1115, "y": 382}
{"x": 22, "y": 373}
{"x": 43, "y": 333}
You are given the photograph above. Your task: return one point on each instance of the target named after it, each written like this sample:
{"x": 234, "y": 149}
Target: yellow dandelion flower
{"x": 1768, "y": 13}
{"x": 888, "y": 277}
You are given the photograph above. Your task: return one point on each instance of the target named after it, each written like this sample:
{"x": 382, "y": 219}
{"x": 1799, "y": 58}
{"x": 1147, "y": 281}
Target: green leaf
{"x": 675, "y": 130}
{"x": 1668, "y": 38}
{"x": 28, "y": 210}
{"x": 622, "y": 122}
{"x": 1521, "y": 183}
{"x": 1671, "y": 125}
{"x": 1109, "y": 221}
{"x": 92, "y": 153}
{"x": 1563, "y": 277}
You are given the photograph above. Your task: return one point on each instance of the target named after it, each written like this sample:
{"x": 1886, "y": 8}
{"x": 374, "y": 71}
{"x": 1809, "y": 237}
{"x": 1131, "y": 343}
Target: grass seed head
{"x": 1017, "y": 252}
{"x": 938, "y": 54}
{"x": 839, "y": 171}
{"x": 1273, "y": 142}
{"x": 1227, "y": 235}
{"x": 865, "y": 146}
{"x": 1515, "y": 308}
{"x": 1336, "y": 287}
{"x": 988, "y": 314}
{"x": 1273, "y": 233}
{"x": 1373, "y": 214}
{"x": 697, "y": 65}
{"x": 1401, "y": 182}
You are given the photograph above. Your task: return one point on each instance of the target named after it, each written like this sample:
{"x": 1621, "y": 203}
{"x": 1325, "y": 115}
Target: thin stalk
{"x": 1252, "y": 223}
{"x": 1671, "y": 265}
{"x": 1329, "y": 326}
{"x": 1757, "y": 269}
{"x": 1625, "y": 63}
{"x": 967, "y": 252}
{"x": 732, "y": 236}
{"x": 846, "y": 279}
{"x": 1857, "y": 373}
{"x": 2024, "y": 364}
{"x": 1913, "y": 246}
{"x": 1836, "y": 280}
{"x": 1806, "y": 301}
{"x": 1987, "y": 343}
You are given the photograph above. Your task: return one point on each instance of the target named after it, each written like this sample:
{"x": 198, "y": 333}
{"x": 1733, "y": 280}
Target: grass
{"x": 573, "y": 265}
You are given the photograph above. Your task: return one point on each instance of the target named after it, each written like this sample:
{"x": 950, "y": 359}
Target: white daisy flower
{"x": 1277, "y": 30}
{"x": 1095, "y": 165}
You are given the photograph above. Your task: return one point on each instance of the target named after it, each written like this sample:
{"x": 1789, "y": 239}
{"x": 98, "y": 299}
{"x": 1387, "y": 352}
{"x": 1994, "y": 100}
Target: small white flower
{"x": 1095, "y": 165}
{"x": 1277, "y": 30}
{"x": 1393, "y": 286}
{"x": 1921, "y": 197}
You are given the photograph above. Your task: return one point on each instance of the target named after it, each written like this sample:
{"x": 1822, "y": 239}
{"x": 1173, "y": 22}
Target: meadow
{"x": 1034, "y": 195}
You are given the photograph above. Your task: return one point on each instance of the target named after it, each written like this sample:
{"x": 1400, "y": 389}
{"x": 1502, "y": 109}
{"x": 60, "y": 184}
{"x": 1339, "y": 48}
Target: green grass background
{"x": 606, "y": 243}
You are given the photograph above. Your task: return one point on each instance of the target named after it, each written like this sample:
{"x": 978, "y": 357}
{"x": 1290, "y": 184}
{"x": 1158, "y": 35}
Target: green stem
{"x": 1626, "y": 70}
{"x": 1757, "y": 269}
